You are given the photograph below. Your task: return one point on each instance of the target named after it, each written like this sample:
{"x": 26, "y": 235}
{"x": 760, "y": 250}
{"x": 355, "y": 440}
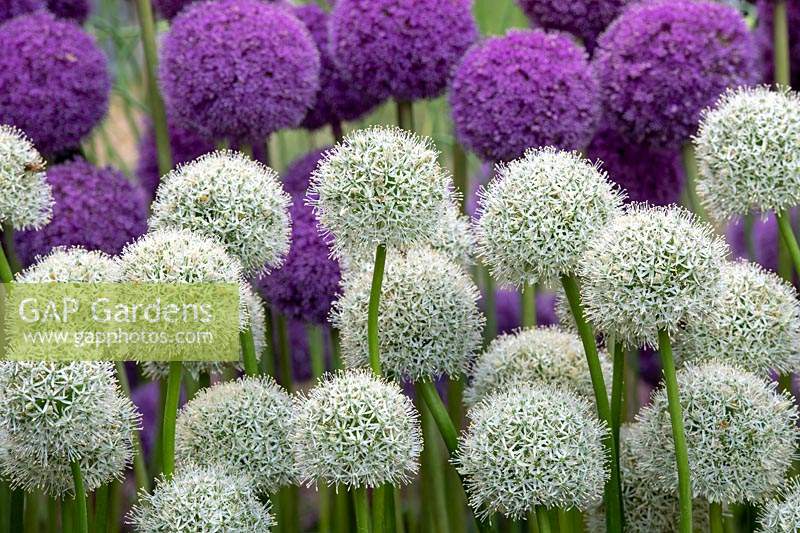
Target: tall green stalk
{"x": 248, "y": 352}
{"x": 460, "y": 177}
{"x": 341, "y": 511}
{"x": 405, "y": 115}
{"x": 528, "y": 306}
{"x": 379, "y": 508}
{"x": 780, "y": 39}
{"x": 715, "y": 518}
{"x": 543, "y": 520}
{"x": 788, "y": 238}
{"x": 617, "y": 391}
{"x": 456, "y": 499}
{"x": 690, "y": 167}
{"x": 432, "y": 456}
{"x": 171, "y": 400}
{"x": 361, "y": 505}
{"x": 101, "y": 507}
{"x": 139, "y": 463}
{"x": 316, "y": 350}
{"x": 16, "y": 516}
{"x": 8, "y": 242}
{"x": 438, "y": 411}
{"x": 564, "y": 521}
{"x": 374, "y": 303}
{"x": 6, "y": 274}
{"x": 489, "y": 307}
{"x": 81, "y": 514}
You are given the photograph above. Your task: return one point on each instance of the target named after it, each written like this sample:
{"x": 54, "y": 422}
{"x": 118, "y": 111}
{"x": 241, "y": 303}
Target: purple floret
{"x": 54, "y": 81}
{"x": 661, "y": 63}
{"x": 298, "y": 173}
{"x": 77, "y": 10}
{"x": 169, "y": 9}
{"x": 238, "y": 70}
{"x": 405, "y": 49}
{"x": 97, "y": 208}
{"x": 525, "y": 89}
{"x": 12, "y": 8}
{"x": 766, "y": 43}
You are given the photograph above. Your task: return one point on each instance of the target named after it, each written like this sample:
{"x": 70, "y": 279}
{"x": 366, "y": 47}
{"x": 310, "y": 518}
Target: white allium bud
{"x": 538, "y": 214}
{"x": 536, "y": 355}
{"x": 429, "y": 322}
{"x": 654, "y": 268}
{"x": 740, "y": 432}
{"x": 72, "y": 265}
{"x": 748, "y": 153}
{"x": 379, "y": 186}
{"x": 232, "y": 198}
{"x": 52, "y": 414}
{"x": 27, "y": 199}
{"x": 532, "y": 445}
{"x": 754, "y": 323}
{"x": 782, "y": 514}
{"x": 243, "y": 425}
{"x": 357, "y": 430}
{"x": 209, "y": 499}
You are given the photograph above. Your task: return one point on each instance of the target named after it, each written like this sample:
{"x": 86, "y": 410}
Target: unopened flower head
{"x": 232, "y": 198}
{"x": 429, "y": 323}
{"x": 654, "y": 268}
{"x": 740, "y": 432}
{"x": 27, "y": 200}
{"x": 747, "y": 153}
{"x": 782, "y": 514}
{"x": 357, "y": 430}
{"x": 72, "y": 265}
{"x": 539, "y": 213}
{"x": 544, "y": 425}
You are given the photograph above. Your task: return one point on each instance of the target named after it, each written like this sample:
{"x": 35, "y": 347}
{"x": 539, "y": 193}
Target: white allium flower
{"x": 782, "y": 514}
{"x": 454, "y": 238}
{"x": 429, "y": 322}
{"x": 381, "y": 185}
{"x": 243, "y": 425}
{"x": 72, "y": 265}
{"x": 748, "y": 153}
{"x": 209, "y": 499}
{"x": 52, "y": 414}
{"x": 654, "y": 268}
{"x": 232, "y": 198}
{"x": 740, "y": 432}
{"x": 536, "y": 355}
{"x": 538, "y": 214}
{"x": 532, "y": 445}
{"x": 357, "y": 430}
{"x": 753, "y": 323}
{"x": 27, "y": 199}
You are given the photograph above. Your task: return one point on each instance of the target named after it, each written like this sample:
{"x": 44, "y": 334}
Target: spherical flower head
{"x": 96, "y": 208}
{"x": 297, "y": 176}
{"x": 454, "y": 238}
{"x": 52, "y": 414}
{"x": 429, "y": 323}
{"x": 232, "y": 198}
{"x": 357, "y": 430}
{"x": 72, "y": 265}
{"x": 12, "y": 8}
{"x": 543, "y": 424}
{"x": 242, "y": 425}
{"x": 379, "y": 186}
{"x": 540, "y": 212}
{"x": 525, "y": 89}
{"x": 740, "y": 432}
{"x": 763, "y": 237}
{"x": 651, "y": 175}
{"x": 238, "y": 69}
{"x": 27, "y": 199}
{"x": 202, "y": 498}
{"x": 420, "y": 43}
{"x": 546, "y": 355}
{"x": 782, "y": 514}
{"x": 77, "y": 10}
{"x": 54, "y": 80}
{"x": 747, "y": 153}
{"x": 753, "y": 323}
{"x": 638, "y": 56}
{"x": 169, "y": 9}
{"x": 651, "y": 269}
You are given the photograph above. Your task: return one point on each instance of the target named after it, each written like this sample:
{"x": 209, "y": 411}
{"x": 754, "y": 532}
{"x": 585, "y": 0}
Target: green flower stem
{"x": 564, "y": 521}
{"x": 316, "y": 349}
{"x": 379, "y": 509}
{"x": 435, "y": 478}
{"x": 52, "y": 515}
{"x": 788, "y": 238}
{"x": 341, "y": 511}
{"x": 81, "y": 515}
{"x": 337, "y": 132}
{"x": 139, "y": 463}
{"x": 101, "y": 508}
{"x": 460, "y": 176}
{"x": 8, "y": 243}
{"x": 678, "y": 434}
{"x": 405, "y": 115}
{"x": 16, "y": 514}
{"x": 780, "y": 39}
{"x": 433, "y": 401}
{"x": 690, "y": 166}
{"x": 456, "y": 499}
{"x": 528, "y": 306}
{"x": 374, "y": 303}
{"x": 285, "y": 351}
{"x": 397, "y": 512}
{"x": 67, "y": 516}
{"x": 248, "y": 352}
{"x": 171, "y": 399}
{"x": 267, "y": 357}
{"x": 490, "y": 307}
{"x": 5, "y": 507}
{"x": 6, "y": 274}
{"x": 613, "y": 493}
{"x": 715, "y": 518}
{"x": 361, "y": 505}
{"x": 336, "y": 350}
{"x": 617, "y": 391}
{"x": 324, "y": 508}
{"x": 290, "y": 518}
{"x": 543, "y": 520}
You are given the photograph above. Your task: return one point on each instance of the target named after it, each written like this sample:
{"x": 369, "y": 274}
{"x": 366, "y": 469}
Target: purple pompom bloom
{"x": 169, "y": 9}
{"x": 764, "y": 241}
{"x": 12, "y": 8}
{"x": 298, "y": 174}
{"x": 646, "y": 174}
{"x": 661, "y": 63}
{"x": 523, "y": 90}
{"x": 238, "y": 70}
{"x": 405, "y": 49}
{"x": 77, "y": 10}
{"x": 97, "y": 208}
{"x": 765, "y": 39}
{"x": 54, "y": 81}
{"x": 508, "y": 308}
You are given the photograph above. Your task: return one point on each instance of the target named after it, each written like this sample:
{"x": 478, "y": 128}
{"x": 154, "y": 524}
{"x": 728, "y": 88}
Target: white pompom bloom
{"x": 740, "y": 433}
{"x": 242, "y": 425}
{"x": 529, "y": 446}
{"x": 753, "y": 323}
{"x": 429, "y": 323}
{"x": 782, "y": 514}
{"x": 379, "y": 186}
{"x": 454, "y": 238}
{"x": 72, "y": 265}
{"x": 27, "y": 199}
{"x": 232, "y": 198}
{"x": 52, "y": 414}
{"x": 654, "y": 268}
{"x": 208, "y": 499}
{"x": 538, "y": 214}
{"x": 748, "y": 153}
{"x": 536, "y": 355}
{"x": 357, "y": 430}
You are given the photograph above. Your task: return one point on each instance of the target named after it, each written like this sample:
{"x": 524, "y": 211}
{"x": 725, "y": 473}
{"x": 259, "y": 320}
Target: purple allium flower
{"x": 54, "y": 81}
{"x": 405, "y": 49}
{"x": 97, "y": 208}
{"x": 646, "y": 174}
{"x": 507, "y": 304}
{"x": 77, "y": 10}
{"x": 661, "y": 63}
{"x": 168, "y": 9}
{"x": 764, "y": 239}
{"x": 765, "y": 39}
{"x": 525, "y": 89}
{"x": 12, "y": 8}
{"x": 238, "y": 69}
{"x": 297, "y": 175}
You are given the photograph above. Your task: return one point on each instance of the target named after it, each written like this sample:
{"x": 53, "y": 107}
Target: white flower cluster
{"x": 27, "y": 199}
{"x": 453, "y": 237}
{"x": 782, "y": 514}
{"x": 72, "y": 265}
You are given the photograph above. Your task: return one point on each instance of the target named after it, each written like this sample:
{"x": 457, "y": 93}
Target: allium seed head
{"x": 72, "y": 265}
{"x": 782, "y": 514}
{"x": 27, "y": 200}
